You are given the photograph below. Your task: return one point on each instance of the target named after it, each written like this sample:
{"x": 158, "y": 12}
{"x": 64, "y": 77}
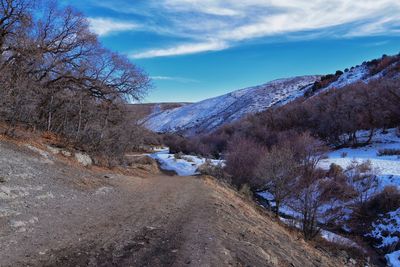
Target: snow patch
{"x": 184, "y": 166}
{"x": 387, "y": 166}
{"x": 387, "y": 229}
{"x": 393, "y": 259}
{"x": 338, "y": 239}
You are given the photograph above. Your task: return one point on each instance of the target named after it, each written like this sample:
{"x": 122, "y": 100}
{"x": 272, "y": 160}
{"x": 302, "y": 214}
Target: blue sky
{"x": 196, "y": 49}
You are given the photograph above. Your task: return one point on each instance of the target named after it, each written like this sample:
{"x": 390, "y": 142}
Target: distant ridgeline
{"x": 210, "y": 114}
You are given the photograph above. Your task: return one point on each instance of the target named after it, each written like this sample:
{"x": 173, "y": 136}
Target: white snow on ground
{"x": 183, "y": 166}
{"x": 284, "y": 209}
{"x": 327, "y": 235}
{"x": 387, "y": 229}
{"x": 389, "y": 174}
{"x": 294, "y": 222}
{"x": 338, "y": 239}
{"x": 388, "y": 166}
{"x": 353, "y": 75}
{"x": 393, "y": 259}
{"x": 356, "y": 74}
{"x": 162, "y": 150}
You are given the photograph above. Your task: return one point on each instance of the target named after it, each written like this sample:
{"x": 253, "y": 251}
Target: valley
{"x": 199, "y": 133}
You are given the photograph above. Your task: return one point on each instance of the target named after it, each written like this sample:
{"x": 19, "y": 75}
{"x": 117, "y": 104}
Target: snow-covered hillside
{"x": 209, "y": 114}
{"x": 356, "y": 74}
{"x": 388, "y": 167}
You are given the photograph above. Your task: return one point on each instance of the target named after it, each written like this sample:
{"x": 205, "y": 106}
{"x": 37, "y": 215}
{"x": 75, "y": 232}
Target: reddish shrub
{"x": 243, "y": 156}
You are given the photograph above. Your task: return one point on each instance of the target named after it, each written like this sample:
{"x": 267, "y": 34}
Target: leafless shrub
{"x": 388, "y": 152}
{"x": 242, "y": 158}
{"x": 178, "y": 155}
{"x": 369, "y": 211}
{"x": 363, "y": 178}
{"x": 208, "y": 168}
{"x": 277, "y": 171}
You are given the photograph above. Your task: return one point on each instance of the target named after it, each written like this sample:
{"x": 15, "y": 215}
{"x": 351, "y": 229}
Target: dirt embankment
{"x": 53, "y": 213}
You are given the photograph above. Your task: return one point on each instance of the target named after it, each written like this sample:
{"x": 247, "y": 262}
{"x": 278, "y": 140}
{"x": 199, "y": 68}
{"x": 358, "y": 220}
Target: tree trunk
{"x": 277, "y": 208}
{"x": 79, "y": 119}
{"x": 50, "y": 114}
{"x": 371, "y": 134}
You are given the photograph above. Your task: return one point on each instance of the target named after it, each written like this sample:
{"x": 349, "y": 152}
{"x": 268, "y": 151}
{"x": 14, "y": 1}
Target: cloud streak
{"x": 184, "y": 49}
{"x": 213, "y": 25}
{"x": 107, "y": 26}
{"x": 175, "y": 79}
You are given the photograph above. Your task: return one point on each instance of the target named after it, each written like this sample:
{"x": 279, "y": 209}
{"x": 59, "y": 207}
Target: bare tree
{"x": 277, "y": 171}
{"x": 362, "y": 177}
{"x": 309, "y": 195}
{"x": 55, "y": 76}
{"x": 13, "y": 14}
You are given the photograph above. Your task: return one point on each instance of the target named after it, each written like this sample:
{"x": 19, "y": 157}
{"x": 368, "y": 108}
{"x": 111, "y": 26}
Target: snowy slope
{"x": 388, "y": 167}
{"x": 393, "y": 259}
{"x": 361, "y": 73}
{"x": 209, "y": 114}
{"x": 355, "y": 74}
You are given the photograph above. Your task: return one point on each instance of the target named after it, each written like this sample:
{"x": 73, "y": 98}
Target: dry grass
{"x": 263, "y": 235}
{"x": 141, "y": 167}
{"x": 254, "y": 234}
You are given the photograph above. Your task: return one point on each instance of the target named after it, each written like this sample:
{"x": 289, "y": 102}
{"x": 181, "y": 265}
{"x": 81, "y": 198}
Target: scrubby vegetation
{"x": 334, "y": 117}
{"x": 389, "y": 152}
{"x": 378, "y": 65}
{"x": 56, "y": 77}
{"x": 278, "y": 151}
{"x": 324, "y": 82}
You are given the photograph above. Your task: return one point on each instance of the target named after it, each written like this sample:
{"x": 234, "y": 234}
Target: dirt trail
{"x": 56, "y": 214}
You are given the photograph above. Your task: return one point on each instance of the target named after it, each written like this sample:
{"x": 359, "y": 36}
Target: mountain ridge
{"x": 209, "y": 114}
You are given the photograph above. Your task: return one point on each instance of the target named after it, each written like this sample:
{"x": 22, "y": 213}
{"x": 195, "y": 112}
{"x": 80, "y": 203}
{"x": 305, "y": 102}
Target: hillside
{"x": 142, "y": 111}
{"x": 387, "y": 67}
{"x": 209, "y": 114}
{"x": 57, "y": 213}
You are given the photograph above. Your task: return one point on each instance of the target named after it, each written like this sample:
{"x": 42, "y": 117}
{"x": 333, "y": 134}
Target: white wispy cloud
{"x": 212, "y": 25}
{"x": 184, "y": 49}
{"x": 175, "y": 79}
{"x": 106, "y": 26}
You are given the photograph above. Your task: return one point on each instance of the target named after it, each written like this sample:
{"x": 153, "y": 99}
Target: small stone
{"x": 53, "y": 150}
{"x": 66, "y": 153}
{"x": 83, "y": 159}
{"x": 352, "y": 261}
